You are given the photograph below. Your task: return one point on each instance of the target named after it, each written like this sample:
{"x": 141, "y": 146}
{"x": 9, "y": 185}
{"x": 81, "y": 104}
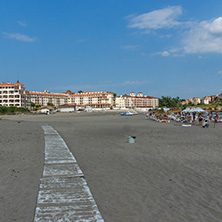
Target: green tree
{"x": 37, "y": 107}
{"x": 49, "y": 104}
{"x": 169, "y": 102}
{"x": 32, "y": 106}
{"x": 80, "y": 91}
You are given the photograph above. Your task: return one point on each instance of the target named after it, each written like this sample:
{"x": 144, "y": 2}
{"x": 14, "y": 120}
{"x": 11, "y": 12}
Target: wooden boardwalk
{"x": 64, "y": 194}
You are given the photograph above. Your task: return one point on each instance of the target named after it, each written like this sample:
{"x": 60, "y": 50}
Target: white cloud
{"x": 204, "y": 37}
{"x": 164, "y": 53}
{"x": 216, "y": 26}
{"x": 19, "y": 37}
{"x": 163, "y": 18}
{"x": 22, "y": 23}
{"x": 199, "y": 37}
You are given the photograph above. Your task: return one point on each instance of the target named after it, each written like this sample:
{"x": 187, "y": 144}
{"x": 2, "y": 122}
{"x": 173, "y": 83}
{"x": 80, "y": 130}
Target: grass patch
{"x": 12, "y": 110}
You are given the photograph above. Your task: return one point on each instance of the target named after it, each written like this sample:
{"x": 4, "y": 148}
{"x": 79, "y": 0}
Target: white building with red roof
{"x": 196, "y": 100}
{"x": 14, "y": 94}
{"x": 92, "y": 99}
{"x": 43, "y": 98}
{"x": 136, "y": 101}
{"x": 206, "y": 99}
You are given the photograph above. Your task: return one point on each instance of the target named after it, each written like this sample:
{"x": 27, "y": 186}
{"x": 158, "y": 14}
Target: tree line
{"x": 170, "y": 102}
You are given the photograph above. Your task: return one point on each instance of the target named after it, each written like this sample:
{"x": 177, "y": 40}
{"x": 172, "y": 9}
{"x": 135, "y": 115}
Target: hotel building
{"x": 136, "y": 101}
{"x": 45, "y": 97}
{"x": 93, "y": 99}
{"x": 14, "y": 95}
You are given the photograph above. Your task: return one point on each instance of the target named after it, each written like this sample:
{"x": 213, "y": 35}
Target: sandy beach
{"x": 171, "y": 174}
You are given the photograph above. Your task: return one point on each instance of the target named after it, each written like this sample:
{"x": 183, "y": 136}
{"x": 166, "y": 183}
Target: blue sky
{"x": 160, "y": 48}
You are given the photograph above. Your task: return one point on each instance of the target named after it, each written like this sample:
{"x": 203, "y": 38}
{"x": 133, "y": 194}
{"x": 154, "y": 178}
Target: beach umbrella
{"x": 194, "y": 110}
{"x": 198, "y": 110}
{"x": 187, "y": 110}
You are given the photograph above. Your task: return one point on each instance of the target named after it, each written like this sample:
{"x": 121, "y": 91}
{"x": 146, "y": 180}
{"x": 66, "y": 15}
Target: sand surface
{"x": 171, "y": 174}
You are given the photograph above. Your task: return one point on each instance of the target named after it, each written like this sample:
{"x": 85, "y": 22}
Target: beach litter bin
{"x": 131, "y": 139}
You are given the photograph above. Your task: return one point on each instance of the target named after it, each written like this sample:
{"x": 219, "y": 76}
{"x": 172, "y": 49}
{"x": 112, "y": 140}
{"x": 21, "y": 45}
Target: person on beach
{"x": 205, "y": 123}
{"x": 194, "y": 117}
{"x": 217, "y": 115}
{"x": 200, "y": 118}
{"x": 215, "y": 120}
{"x": 147, "y": 116}
{"x": 189, "y": 118}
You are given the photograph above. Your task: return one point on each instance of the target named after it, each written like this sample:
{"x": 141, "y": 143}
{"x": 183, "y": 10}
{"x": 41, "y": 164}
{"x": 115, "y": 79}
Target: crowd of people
{"x": 198, "y": 118}
{"x": 157, "y": 117}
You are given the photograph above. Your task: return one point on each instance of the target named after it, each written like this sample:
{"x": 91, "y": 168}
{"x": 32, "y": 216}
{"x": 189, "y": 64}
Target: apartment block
{"x": 45, "y": 97}
{"x": 93, "y": 99}
{"x": 137, "y": 101}
{"x": 14, "y": 94}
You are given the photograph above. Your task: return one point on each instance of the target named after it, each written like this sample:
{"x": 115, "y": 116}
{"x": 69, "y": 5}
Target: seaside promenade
{"x": 171, "y": 174}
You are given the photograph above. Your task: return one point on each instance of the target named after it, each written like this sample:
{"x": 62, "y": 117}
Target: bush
{"x": 12, "y": 110}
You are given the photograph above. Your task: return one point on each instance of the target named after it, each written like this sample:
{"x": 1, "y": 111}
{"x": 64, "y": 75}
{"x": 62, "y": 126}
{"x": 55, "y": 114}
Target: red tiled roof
{"x": 146, "y": 97}
{"x": 46, "y": 94}
{"x": 11, "y": 84}
{"x": 87, "y": 94}
{"x": 127, "y": 96}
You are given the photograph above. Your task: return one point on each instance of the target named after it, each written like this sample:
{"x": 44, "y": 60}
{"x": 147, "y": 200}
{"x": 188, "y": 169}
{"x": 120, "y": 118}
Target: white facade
{"x": 124, "y": 101}
{"x": 196, "y": 100}
{"x": 45, "y": 97}
{"x": 139, "y": 101}
{"x": 93, "y": 99}
{"x": 14, "y": 95}
{"x": 67, "y": 109}
{"x": 206, "y": 99}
